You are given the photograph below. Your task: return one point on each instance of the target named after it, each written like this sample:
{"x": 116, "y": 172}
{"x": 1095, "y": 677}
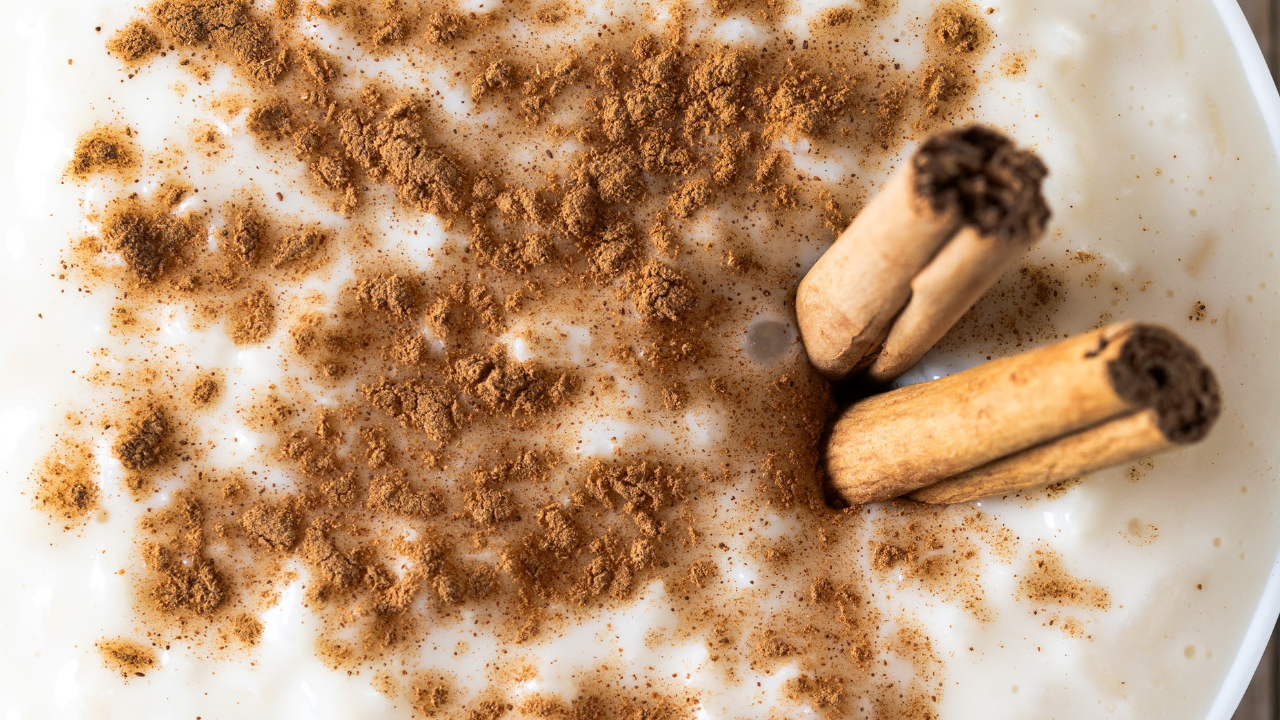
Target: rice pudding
{"x": 421, "y": 361}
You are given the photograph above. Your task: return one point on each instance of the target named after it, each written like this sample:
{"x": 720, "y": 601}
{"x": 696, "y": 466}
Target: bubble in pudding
{"x": 767, "y": 341}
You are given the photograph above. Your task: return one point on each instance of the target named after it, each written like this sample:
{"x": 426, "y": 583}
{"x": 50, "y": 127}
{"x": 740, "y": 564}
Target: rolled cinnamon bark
{"x": 940, "y": 294}
{"x": 1115, "y": 442}
{"x": 848, "y": 300}
{"x": 1025, "y": 418}
{"x": 893, "y": 284}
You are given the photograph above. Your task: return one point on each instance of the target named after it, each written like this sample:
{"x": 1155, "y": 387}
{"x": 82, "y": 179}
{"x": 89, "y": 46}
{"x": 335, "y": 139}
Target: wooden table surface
{"x": 1264, "y": 18}
{"x": 1262, "y": 700}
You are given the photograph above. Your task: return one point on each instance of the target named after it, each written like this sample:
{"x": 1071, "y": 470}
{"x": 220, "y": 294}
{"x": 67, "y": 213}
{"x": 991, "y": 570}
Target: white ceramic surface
{"x": 1264, "y": 619}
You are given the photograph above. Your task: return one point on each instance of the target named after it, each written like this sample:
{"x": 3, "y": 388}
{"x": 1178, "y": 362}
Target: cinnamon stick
{"x": 1072, "y": 407}
{"x": 1115, "y": 442}
{"x": 937, "y": 236}
{"x": 940, "y": 294}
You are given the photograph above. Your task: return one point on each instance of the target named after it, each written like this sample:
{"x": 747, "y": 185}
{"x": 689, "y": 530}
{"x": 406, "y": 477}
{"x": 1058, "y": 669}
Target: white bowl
{"x": 1264, "y": 618}
{"x": 1090, "y": 515}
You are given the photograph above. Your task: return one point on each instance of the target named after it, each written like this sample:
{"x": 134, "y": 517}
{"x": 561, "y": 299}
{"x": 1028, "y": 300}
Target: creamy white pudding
{"x": 1163, "y": 184}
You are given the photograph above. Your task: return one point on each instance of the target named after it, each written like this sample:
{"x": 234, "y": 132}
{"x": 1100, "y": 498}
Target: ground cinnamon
{"x": 66, "y": 485}
{"x": 103, "y": 150}
{"x": 143, "y": 444}
{"x": 597, "y": 158}
{"x": 129, "y": 658}
{"x": 134, "y": 43}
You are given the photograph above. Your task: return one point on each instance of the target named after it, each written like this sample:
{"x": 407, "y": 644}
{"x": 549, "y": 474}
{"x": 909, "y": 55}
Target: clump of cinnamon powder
{"x": 134, "y": 43}
{"x": 103, "y": 150}
{"x": 66, "y": 482}
{"x": 129, "y": 658}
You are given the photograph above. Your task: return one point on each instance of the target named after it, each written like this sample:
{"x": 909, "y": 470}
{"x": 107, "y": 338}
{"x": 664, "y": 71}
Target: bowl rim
{"x": 1264, "y": 618}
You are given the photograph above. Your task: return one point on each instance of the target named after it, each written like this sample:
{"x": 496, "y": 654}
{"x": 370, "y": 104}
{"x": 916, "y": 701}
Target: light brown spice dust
{"x": 1014, "y": 65}
{"x": 204, "y": 391}
{"x": 66, "y": 482}
{"x": 142, "y": 444}
{"x": 1046, "y": 582}
{"x": 429, "y": 696}
{"x": 246, "y": 628}
{"x": 244, "y": 234}
{"x": 230, "y": 27}
{"x": 272, "y": 526}
{"x": 252, "y": 319}
{"x": 170, "y": 194}
{"x": 181, "y": 579}
{"x": 150, "y": 243}
{"x": 439, "y": 432}
{"x": 129, "y": 658}
{"x": 662, "y": 293}
{"x": 134, "y": 43}
{"x": 295, "y": 249}
{"x": 1016, "y": 313}
{"x": 103, "y": 150}
{"x": 959, "y": 37}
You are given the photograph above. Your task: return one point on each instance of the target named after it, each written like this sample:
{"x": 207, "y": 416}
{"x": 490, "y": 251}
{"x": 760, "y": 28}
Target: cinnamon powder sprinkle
{"x": 587, "y": 250}
{"x": 142, "y": 444}
{"x": 129, "y": 658}
{"x": 247, "y": 629}
{"x": 103, "y": 151}
{"x": 134, "y": 43}
{"x": 204, "y": 391}
{"x": 66, "y": 482}
{"x": 1047, "y": 582}
{"x": 252, "y": 319}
